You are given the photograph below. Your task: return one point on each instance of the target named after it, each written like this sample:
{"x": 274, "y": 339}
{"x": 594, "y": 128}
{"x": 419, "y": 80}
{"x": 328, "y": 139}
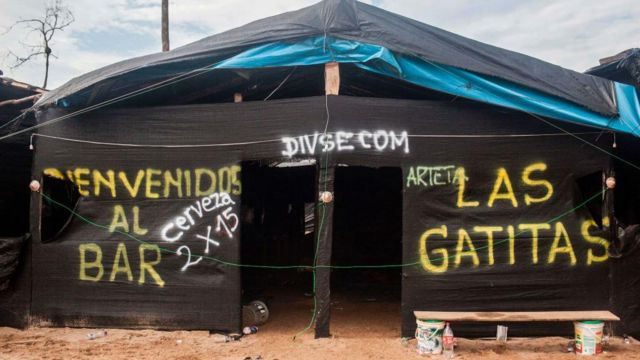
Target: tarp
{"x": 15, "y": 268}
{"x": 10, "y": 251}
{"x": 444, "y": 78}
{"x": 15, "y": 162}
{"x": 521, "y": 174}
{"x": 624, "y": 68}
{"x": 354, "y": 21}
{"x": 498, "y": 241}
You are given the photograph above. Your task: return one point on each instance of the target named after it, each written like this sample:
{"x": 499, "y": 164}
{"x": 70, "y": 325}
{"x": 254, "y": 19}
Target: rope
{"x": 452, "y": 136}
{"x": 155, "y": 145}
{"x": 280, "y": 85}
{"x": 152, "y": 87}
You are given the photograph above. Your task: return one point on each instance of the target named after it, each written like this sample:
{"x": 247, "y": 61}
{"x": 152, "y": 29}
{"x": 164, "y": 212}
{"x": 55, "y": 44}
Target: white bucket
{"x": 429, "y": 336}
{"x": 588, "y": 337}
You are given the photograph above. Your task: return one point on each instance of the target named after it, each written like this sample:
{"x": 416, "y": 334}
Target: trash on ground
{"x": 248, "y": 330}
{"x": 98, "y": 334}
{"x": 255, "y": 313}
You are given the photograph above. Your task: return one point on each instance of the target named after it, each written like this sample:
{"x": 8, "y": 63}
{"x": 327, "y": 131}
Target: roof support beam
{"x": 33, "y": 98}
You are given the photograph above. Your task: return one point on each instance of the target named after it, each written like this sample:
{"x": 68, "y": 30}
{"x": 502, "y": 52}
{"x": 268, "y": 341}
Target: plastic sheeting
{"x": 542, "y": 171}
{"x": 10, "y": 251}
{"x": 625, "y": 69}
{"x": 497, "y": 242}
{"x": 443, "y": 78}
{"x": 353, "y": 21}
{"x": 15, "y": 269}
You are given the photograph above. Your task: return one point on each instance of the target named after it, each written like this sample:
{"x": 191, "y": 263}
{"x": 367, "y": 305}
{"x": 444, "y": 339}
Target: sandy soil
{"x": 148, "y": 344}
{"x": 353, "y": 338}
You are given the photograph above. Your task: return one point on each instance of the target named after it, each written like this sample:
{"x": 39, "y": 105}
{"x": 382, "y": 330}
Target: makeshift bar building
{"x": 338, "y": 150}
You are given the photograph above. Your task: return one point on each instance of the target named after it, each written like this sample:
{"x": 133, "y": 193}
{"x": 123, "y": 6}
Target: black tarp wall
{"x": 515, "y": 172}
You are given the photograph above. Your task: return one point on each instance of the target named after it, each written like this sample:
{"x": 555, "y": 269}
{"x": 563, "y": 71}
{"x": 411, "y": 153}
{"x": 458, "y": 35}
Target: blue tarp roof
{"x": 445, "y": 78}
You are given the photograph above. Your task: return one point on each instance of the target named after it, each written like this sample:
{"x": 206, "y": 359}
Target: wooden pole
{"x": 165, "y": 25}
{"x": 324, "y": 216}
{"x": 324, "y": 240}
{"x": 332, "y": 78}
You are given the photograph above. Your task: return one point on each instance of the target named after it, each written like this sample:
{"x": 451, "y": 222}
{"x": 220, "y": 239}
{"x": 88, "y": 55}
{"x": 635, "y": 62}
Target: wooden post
{"x": 332, "y": 78}
{"x": 324, "y": 221}
{"x": 237, "y": 97}
{"x": 165, "y": 25}
{"x": 324, "y": 240}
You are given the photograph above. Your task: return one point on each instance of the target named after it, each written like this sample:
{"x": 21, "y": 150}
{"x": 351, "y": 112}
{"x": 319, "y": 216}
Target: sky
{"x": 570, "y": 33}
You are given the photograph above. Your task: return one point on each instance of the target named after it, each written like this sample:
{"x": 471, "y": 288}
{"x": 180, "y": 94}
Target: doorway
{"x": 367, "y": 231}
{"x": 276, "y": 201}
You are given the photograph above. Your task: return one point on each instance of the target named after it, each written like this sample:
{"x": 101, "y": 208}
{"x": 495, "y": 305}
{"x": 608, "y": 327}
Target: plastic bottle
{"x": 221, "y": 338}
{"x": 447, "y": 342}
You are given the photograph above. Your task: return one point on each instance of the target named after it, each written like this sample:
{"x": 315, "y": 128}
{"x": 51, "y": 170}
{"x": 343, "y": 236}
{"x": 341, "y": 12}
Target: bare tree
{"x": 56, "y": 18}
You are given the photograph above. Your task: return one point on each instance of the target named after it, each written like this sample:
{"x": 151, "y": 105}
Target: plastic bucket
{"x": 588, "y": 337}
{"x": 255, "y": 313}
{"x": 429, "y": 336}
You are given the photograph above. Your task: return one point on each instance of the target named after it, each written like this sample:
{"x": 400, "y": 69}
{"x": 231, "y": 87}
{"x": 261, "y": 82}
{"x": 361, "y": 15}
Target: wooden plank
{"x": 20, "y": 101}
{"x": 331, "y": 78}
{"x": 515, "y": 316}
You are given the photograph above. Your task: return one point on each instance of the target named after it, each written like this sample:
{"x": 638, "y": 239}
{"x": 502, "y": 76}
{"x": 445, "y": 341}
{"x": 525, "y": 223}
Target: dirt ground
{"x": 354, "y": 337}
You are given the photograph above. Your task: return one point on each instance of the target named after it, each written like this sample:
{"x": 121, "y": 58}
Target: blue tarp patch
{"x": 447, "y": 79}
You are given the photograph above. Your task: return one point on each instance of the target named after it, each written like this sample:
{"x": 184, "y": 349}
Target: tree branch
{"x": 29, "y": 45}
{"x": 21, "y": 60}
{"x": 56, "y": 17}
{"x": 20, "y": 22}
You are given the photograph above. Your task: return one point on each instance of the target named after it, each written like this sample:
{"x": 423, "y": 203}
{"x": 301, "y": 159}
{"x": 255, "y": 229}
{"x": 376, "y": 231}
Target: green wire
{"x": 315, "y": 266}
{"x": 496, "y": 242}
{"x": 163, "y": 249}
{"x": 313, "y": 275}
{"x": 320, "y": 226}
{"x": 312, "y": 267}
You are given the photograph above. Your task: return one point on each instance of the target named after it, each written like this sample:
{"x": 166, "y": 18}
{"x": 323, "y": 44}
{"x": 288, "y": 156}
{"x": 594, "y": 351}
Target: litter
{"x": 95, "y": 335}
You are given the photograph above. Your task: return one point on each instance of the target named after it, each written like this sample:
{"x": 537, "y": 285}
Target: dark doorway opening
{"x": 276, "y": 199}
{"x": 55, "y": 218}
{"x": 367, "y": 230}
